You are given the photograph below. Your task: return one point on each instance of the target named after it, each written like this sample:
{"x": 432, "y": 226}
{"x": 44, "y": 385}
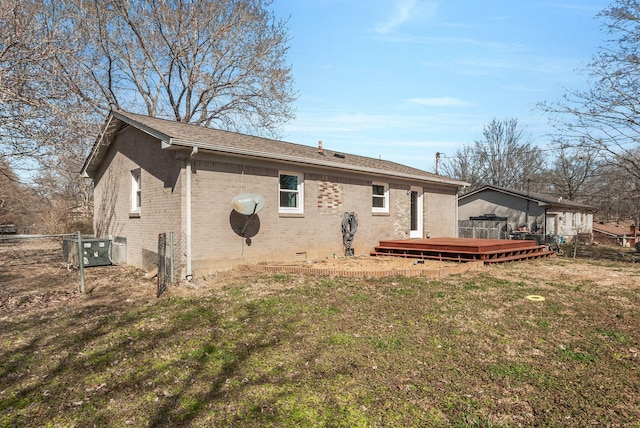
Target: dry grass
{"x": 251, "y": 349}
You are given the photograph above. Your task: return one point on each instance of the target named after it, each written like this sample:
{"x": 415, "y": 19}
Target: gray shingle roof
{"x": 533, "y": 196}
{"x": 177, "y": 134}
{"x": 611, "y": 229}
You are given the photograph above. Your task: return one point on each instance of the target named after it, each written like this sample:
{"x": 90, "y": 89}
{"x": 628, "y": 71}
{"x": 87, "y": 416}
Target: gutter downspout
{"x": 457, "y": 216}
{"x": 457, "y": 234}
{"x": 189, "y": 273}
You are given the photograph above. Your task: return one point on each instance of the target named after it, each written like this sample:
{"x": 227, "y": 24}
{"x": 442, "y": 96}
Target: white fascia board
{"x": 306, "y": 161}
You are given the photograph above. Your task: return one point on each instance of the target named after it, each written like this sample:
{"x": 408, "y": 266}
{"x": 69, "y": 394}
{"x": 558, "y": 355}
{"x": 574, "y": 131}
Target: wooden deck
{"x": 463, "y": 249}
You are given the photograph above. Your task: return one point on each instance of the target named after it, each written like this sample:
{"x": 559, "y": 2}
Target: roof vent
{"x": 339, "y": 155}
{"x": 320, "y": 150}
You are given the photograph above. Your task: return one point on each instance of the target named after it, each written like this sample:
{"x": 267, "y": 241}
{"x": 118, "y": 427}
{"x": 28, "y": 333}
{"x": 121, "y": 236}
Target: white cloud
{"x": 363, "y": 126}
{"x": 405, "y": 11}
{"x": 439, "y": 102}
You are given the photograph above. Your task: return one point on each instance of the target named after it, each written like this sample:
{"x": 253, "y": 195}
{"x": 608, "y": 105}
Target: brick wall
{"x": 161, "y": 208}
{"x": 315, "y": 234}
{"x": 439, "y": 214}
{"x": 272, "y": 236}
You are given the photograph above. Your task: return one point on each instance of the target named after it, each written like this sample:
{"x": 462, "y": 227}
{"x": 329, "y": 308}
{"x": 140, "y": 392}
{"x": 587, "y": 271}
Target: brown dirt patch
{"x": 35, "y": 278}
{"x": 373, "y": 267}
{"x": 367, "y": 263}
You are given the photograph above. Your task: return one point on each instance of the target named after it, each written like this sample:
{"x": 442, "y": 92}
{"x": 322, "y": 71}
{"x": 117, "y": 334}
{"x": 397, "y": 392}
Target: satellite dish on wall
{"x": 248, "y": 203}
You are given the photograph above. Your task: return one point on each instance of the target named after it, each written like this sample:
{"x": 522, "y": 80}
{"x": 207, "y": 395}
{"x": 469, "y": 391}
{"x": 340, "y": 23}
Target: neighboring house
{"x": 612, "y": 234}
{"x": 533, "y": 212}
{"x": 153, "y": 176}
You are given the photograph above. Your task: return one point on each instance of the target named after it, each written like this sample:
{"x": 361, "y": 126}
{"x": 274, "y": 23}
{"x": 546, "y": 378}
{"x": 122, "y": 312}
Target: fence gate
{"x": 162, "y": 264}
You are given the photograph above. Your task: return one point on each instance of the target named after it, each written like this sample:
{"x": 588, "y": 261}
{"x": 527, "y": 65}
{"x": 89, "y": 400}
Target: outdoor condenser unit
{"x": 95, "y": 251}
{"x": 118, "y": 250}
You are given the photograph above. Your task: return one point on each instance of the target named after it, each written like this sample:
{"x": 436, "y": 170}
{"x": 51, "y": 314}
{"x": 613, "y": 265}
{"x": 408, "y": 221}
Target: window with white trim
{"x": 379, "y": 197}
{"x": 291, "y": 193}
{"x": 136, "y": 190}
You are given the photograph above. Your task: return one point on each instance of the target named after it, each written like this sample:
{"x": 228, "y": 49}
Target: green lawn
{"x": 292, "y": 351}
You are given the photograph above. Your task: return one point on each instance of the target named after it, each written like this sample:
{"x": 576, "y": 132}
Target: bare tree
{"x": 606, "y": 115}
{"x": 207, "y": 62}
{"x": 65, "y": 201}
{"x": 65, "y": 64}
{"x": 573, "y": 169}
{"x": 504, "y": 157}
{"x": 463, "y": 165}
{"x": 32, "y": 96}
{"x": 615, "y": 194}
{"x": 14, "y": 198}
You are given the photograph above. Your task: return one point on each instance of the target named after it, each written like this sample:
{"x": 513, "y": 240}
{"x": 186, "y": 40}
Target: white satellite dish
{"x": 248, "y": 203}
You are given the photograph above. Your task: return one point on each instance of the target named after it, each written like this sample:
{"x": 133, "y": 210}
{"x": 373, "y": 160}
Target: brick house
{"x": 153, "y": 175}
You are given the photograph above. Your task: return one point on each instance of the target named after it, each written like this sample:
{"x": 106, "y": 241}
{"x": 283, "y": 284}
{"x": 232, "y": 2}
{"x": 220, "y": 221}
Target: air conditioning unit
{"x": 95, "y": 251}
{"x": 119, "y": 250}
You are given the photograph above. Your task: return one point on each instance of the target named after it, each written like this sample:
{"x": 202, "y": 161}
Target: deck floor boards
{"x": 463, "y": 249}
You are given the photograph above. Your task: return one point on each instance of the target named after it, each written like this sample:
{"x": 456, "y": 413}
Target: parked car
{"x": 8, "y": 229}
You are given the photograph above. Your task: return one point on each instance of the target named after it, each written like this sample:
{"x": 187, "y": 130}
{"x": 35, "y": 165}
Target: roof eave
{"x": 95, "y": 150}
{"x": 109, "y": 129}
{"x": 151, "y": 131}
{"x": 560, "y": 206}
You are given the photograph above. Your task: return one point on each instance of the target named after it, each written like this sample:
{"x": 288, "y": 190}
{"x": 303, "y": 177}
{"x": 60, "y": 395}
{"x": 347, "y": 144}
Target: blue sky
{"x": 404, "y": 79}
